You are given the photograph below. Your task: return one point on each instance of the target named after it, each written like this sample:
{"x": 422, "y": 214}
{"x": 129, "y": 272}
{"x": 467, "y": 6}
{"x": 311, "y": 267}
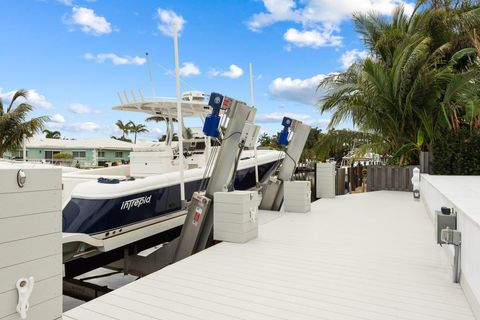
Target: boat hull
{"x": 106, "y": 217}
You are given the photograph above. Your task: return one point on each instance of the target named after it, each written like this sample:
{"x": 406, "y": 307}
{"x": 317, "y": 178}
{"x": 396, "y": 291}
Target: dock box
{"x": 31, "y": 242}
{"x": 325, "y": 180}
{"x": 297, "y": 196}
{"x": 234, "y": 218}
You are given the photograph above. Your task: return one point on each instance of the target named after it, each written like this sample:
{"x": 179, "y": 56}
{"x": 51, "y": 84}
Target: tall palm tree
{"x": 124, "y": 127}
{"x": 52, "y": 134}
{"x": 13, "y": 124}
{"x": 136, "y": 128}
{"x": 417, "y": 82}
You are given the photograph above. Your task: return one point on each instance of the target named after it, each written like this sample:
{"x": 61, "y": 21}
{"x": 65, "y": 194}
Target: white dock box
{"x": 297, "y": 196}
{"x": 31, "y": 242}
{"x": 234, "y": 218}
{"x": 325, "y": 182}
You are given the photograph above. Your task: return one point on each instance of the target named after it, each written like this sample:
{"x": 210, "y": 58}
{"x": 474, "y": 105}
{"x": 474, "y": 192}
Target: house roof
{"x": 111, "y": 144}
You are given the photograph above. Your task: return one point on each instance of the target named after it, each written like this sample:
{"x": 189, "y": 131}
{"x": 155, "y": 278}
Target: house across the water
{"x": 86, "y": 153}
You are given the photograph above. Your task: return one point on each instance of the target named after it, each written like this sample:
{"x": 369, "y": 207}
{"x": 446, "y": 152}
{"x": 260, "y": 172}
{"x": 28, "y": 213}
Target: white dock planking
{"x": 363, "y": 256}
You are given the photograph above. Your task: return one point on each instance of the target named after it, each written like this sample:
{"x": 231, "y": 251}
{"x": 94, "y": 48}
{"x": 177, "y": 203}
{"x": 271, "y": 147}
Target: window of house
{"x": 19, "y": 154}
{"x": 118, "y": 154}
{"x": 79, "y": 154}
{"x": 49, "y": 154}
{"x": 101, "y": 154}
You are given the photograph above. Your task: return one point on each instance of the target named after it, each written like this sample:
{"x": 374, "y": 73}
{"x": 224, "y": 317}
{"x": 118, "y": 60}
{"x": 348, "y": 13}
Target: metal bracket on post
{"x": 453, "y": 237}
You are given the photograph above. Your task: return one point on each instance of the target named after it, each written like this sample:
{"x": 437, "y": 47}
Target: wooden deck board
{"x": 363, "y": 256}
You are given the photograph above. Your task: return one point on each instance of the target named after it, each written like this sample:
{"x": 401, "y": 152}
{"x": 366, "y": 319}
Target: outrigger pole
{"x": 252, "y": 100}
{"x": 179, "y": 117}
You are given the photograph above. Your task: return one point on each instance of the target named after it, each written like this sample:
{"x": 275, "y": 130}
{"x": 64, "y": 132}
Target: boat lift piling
{"x": 197, "y": 230}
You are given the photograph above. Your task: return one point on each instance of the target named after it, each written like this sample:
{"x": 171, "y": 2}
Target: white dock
{"x": 363, "y": 256}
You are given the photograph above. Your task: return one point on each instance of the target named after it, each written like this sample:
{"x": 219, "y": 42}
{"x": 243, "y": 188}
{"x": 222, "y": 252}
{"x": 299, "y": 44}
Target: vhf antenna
{"x": 152, "y": 82}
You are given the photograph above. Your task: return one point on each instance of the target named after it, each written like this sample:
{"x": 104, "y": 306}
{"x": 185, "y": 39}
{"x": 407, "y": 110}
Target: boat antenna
{"x": 150, "y": 76}
{"x": 252, "y": 102}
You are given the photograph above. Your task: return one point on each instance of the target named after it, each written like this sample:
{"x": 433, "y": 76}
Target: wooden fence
{"x": 389, "y": 178}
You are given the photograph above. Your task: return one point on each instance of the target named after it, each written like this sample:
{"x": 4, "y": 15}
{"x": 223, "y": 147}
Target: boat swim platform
{"x": 361, "y": 256}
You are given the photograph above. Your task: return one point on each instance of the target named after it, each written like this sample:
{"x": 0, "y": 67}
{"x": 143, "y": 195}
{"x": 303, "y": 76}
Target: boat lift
{"x": 240, "y": 132}
{"x": 294, "y": 135}
{"x": 197, "y": 230}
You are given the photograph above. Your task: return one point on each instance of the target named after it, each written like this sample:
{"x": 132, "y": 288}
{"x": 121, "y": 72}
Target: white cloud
{"x": 115, "y": 59}
{"x": 167, "y": 18}
{"x": 319, "y": 18}
{"x": 74, "y": 127}
{"x": 189, "y": 69}
{"x": 312, "y": 38}
{"x": 89, "y": 22}
{"x": 298, "y": 90}
{"x": 66, "y": 2}
{"x": 153, "y": 133}
{"x": 277, "y": 10}
{"x": 277, "y": 117}
{"x": 57, "y": 118}
{"x": 33, "y": 97}
{"x": 351, "y": 56}
{"x": 86, "y": 126}
{"x": 79, "y": 108}
{"x": 233, "y": 72}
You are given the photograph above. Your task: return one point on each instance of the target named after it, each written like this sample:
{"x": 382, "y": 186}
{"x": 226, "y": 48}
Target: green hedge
{"x": 457, "y": 154}
{"x": 63, "y": 155}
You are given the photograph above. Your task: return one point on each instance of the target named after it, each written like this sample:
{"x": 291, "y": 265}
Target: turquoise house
{"x": 86, "y": 153}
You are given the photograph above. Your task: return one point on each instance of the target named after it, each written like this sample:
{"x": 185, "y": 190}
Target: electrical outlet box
{"x": 442, "y": 221}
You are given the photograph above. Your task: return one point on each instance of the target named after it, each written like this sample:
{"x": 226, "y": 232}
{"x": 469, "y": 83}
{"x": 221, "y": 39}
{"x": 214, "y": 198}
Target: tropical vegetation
{"x": 322, "y": 146}
{"x": 63, "y": 156}
{"x": 419, "y": 83}
{"x": 129, "y": 127}
{"x": 135, "y": 129}
{"x": 15, "y": 122}
{"x": 52, "y": 134}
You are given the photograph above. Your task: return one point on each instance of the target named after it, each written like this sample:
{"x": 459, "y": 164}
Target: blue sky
{"x": 75, "y": 55}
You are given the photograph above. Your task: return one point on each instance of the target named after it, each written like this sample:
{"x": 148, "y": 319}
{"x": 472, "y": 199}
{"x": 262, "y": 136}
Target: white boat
{"x": 110, "y": 207}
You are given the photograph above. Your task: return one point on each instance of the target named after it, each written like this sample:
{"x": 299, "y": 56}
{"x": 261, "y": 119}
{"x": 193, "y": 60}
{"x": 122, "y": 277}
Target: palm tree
{"x": 124, "y": 127}
{"x": 418, "y": 81}
{"x": 168, "y": 125}
{"x": 52, "y": 134}
{"x": 13, "y": 124}
{"x": 136, "y": 128}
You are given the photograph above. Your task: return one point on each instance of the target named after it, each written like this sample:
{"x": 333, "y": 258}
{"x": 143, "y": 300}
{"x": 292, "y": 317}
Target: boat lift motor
{"x": 212, "y": 121}
{"x": 197, "y": 231}
{"x": 283, "y": 137}
{"x": 294, "y": 135}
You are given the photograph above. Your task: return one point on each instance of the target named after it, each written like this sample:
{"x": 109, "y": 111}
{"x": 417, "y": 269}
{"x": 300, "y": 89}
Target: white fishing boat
{"x": 130, "y": 202}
